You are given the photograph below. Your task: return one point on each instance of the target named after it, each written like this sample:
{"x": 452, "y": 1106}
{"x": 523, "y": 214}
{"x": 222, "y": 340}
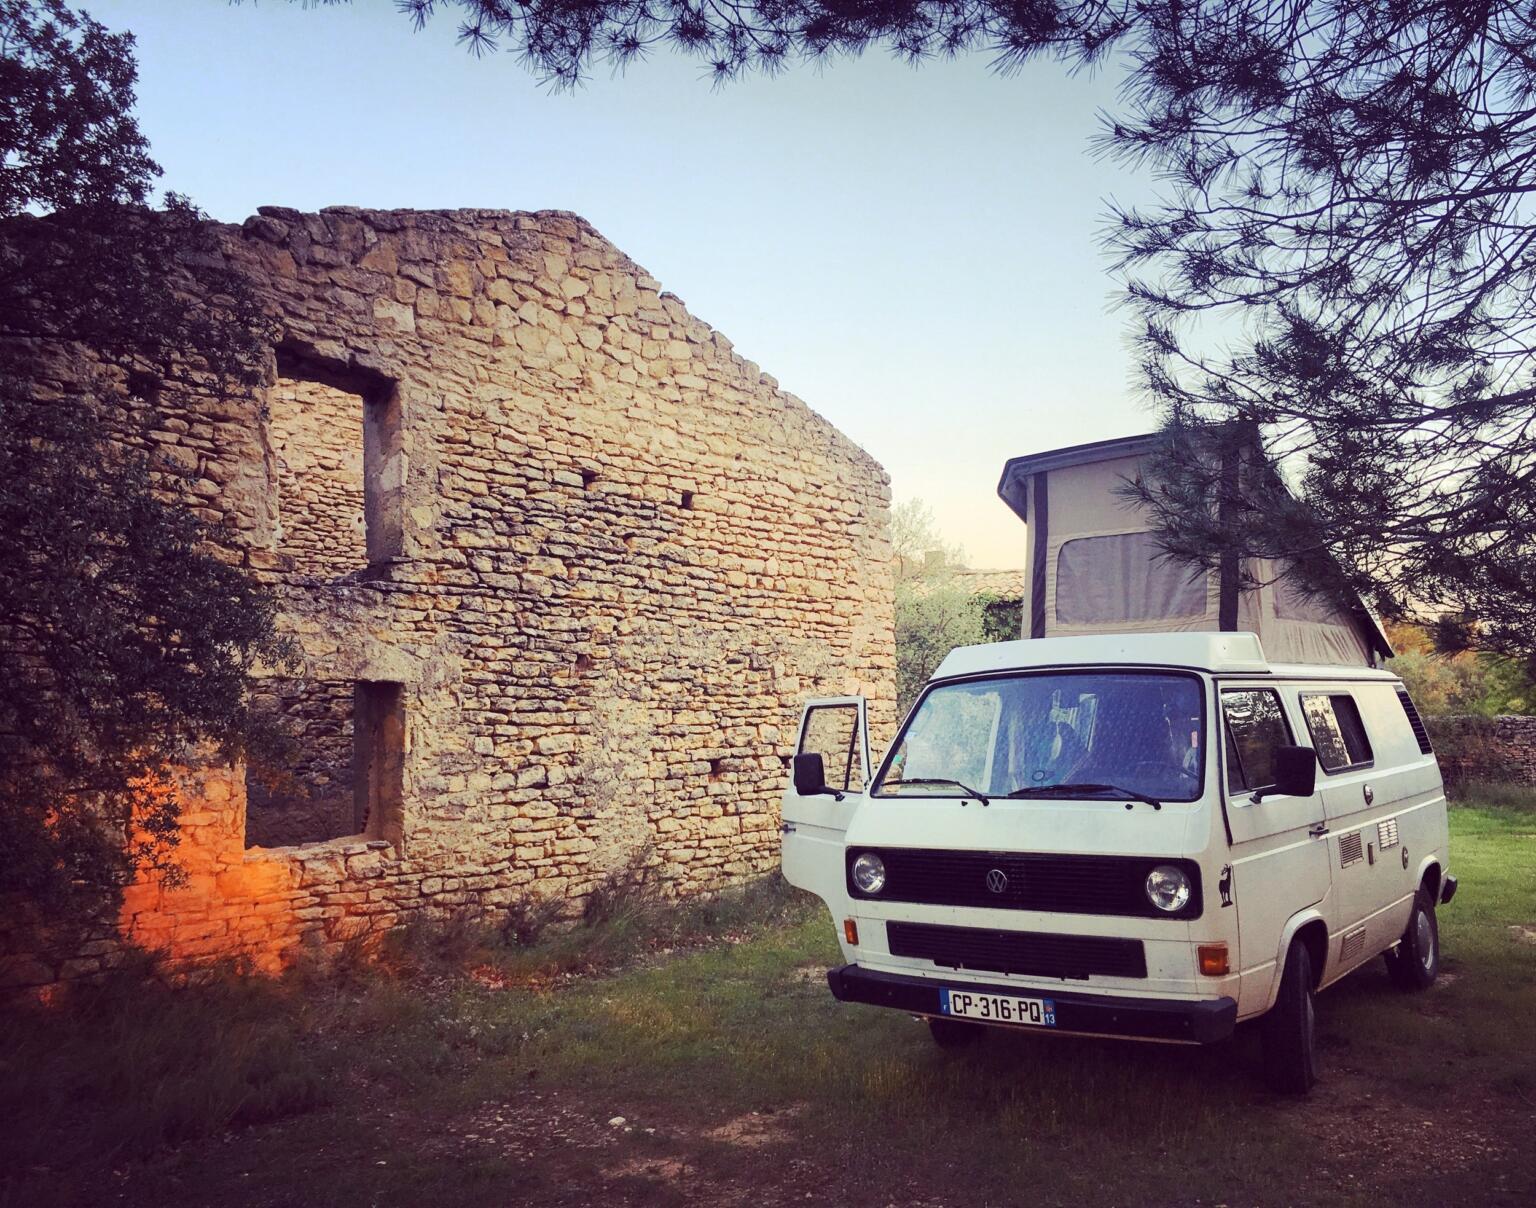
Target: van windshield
{"x": 1137, "y": 731}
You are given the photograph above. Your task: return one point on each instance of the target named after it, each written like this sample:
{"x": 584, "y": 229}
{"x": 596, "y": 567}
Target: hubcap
{"x": 1425, "y": 940}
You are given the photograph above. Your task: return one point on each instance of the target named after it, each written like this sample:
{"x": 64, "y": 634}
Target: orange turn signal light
{"x": 1213, "y": 960}
{"x": 851, "y": 931}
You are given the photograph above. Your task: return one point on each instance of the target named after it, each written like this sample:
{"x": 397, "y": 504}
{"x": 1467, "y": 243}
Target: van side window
{"x": 832, "y": 731}
{"x": 1337, "y": 731}
{"x": 1255, "y": 725}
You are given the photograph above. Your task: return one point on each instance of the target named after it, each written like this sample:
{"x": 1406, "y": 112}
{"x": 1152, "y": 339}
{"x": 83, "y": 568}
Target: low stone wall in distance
{"x": 1489, "y": 749}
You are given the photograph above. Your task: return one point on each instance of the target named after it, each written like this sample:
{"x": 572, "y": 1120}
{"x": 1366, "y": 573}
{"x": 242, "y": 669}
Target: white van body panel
{"x": 1267, "y": 869}
{"x": 814, "y": 829}
{"x": 1262, "y": 984}
{"x": 1279, "y": 864}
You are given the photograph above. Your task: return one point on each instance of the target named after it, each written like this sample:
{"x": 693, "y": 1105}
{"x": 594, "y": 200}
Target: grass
{"x": 710, "y": 1012}
{"x": 138, "y": 1067}
{"x": 1480, "y": 1029}
{"x": 1495, "y": 795}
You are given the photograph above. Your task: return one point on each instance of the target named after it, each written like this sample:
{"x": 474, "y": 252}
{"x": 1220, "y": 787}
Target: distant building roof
{"x": 1006, "y": 584}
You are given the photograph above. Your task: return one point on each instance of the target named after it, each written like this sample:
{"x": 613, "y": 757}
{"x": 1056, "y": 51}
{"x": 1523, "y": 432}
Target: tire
{"x": 954, "y": 1033}
{"x": 1290, "y": 1028}
{"x": 1416, "y": 962}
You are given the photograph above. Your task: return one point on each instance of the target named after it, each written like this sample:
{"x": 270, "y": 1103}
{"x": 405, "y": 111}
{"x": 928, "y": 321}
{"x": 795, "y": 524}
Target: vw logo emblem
{"x": 997, "y": 880}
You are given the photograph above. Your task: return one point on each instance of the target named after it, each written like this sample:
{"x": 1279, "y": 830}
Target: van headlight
{"x": 1168, "y": 888}
{"x": 869, "y": 873}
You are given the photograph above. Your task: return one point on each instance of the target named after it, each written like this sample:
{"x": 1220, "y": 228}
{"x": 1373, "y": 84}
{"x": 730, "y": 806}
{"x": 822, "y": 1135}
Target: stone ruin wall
{"x": 1472, "y": 749}
{"x": 316, "y": 437}
{"x": 312, "y": 795}
{"x": 604, "y": 561}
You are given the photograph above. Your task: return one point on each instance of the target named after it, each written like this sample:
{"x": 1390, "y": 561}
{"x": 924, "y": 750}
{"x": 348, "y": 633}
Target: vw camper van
{"x": 1153, "y": 836}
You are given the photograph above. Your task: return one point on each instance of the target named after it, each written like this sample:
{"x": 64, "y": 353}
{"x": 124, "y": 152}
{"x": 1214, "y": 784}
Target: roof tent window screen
{"x": 1123, "y": 577}
{"x": 1294, "y": 604}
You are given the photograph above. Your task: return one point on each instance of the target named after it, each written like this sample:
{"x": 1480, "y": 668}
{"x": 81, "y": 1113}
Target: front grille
{"x": 1043, "y": 955}
{"x": 1023, "y": 881}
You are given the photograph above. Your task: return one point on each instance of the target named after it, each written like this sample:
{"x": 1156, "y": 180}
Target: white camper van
{"x": 1152, "y": 835}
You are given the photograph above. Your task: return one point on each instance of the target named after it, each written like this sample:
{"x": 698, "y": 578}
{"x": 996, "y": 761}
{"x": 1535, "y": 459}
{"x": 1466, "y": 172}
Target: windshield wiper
{"x": 964, "y": 788}
{"x": 1051, "y": 790}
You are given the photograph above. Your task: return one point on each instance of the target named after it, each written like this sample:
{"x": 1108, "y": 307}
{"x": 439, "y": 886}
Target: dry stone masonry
{"x": 316, "y": 437}
{"x": 561, "y": 564}
{"x": 1472, "y": 749}
{"x": 312, "y": 795}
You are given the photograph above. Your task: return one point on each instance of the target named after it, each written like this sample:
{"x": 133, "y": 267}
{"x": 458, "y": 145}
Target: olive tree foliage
{"x": 124, "y": 641}
{"x": 934, "y": 612}
{"x": 1341, "y": 268}
{"x": 1470, "y": 682}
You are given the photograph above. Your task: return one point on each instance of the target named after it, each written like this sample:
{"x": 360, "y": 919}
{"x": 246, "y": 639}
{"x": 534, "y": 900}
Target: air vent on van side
{"x": 1350, "y": 849}
{"x": 1414, "y": 720}
{"x": 1386, "y": 833}
{"x": 1352, "y": 947}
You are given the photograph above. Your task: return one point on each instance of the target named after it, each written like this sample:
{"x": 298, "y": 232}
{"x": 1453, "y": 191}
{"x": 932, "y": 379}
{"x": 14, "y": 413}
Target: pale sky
{"x": 913, "y": 252}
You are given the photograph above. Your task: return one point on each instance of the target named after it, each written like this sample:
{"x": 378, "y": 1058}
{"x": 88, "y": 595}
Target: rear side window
{"x": 1420, "y": 734}
{"x": 1255, "y": 725}
{"x": 1337, "y": 732}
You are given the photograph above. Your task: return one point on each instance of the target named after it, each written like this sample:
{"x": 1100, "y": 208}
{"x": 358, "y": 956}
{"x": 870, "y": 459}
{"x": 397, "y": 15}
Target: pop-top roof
{"x": 1072, "y": 494}
{"x": 1014, "y": 484}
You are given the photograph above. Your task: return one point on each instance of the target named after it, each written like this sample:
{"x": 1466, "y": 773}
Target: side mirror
{"x": 811, "y": 777}
{"x": 1295, "y": 773}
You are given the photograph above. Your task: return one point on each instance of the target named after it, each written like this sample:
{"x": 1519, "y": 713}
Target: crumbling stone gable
{"x": 605, "y": 559}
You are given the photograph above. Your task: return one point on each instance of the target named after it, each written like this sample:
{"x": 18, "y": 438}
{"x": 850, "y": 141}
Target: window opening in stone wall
{"x": 343, "y": 774}
{"x": 379, "y": 760}
{"x": 310, "y": 796}
{"x": 687, "y": 501}
{"x": 340, "y": 470}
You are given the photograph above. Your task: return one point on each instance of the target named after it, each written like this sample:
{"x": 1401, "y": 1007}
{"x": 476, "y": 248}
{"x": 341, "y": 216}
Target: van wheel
{"x": 953, "y": 1033}
{"x": 1290, "y": 1028}
{"x": 1416, "y": 963}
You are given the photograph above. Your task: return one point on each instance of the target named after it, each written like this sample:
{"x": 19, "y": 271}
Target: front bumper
{"x": 1201, "y": 1021}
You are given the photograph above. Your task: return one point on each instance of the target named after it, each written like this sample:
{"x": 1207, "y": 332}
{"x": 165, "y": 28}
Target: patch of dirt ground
{"x": 564, "y": 1148}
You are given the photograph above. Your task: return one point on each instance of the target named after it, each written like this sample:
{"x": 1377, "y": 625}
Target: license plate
{"x": 998, "y": 1008}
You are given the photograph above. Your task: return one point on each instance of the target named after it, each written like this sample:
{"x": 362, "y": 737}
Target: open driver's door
{"x": 814, "y": 826}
